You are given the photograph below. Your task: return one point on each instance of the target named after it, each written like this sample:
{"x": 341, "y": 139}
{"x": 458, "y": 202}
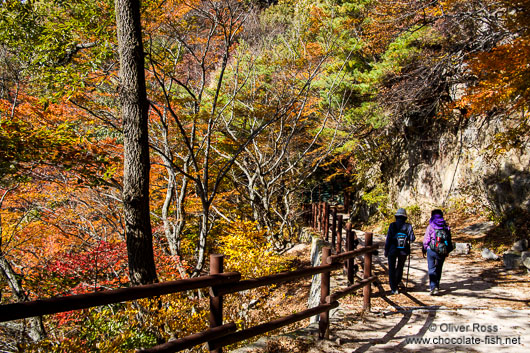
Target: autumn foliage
{"x": 252, "y": 105}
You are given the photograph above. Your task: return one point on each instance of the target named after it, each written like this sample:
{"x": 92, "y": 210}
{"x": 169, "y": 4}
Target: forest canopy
{"x": 247, "y": 108}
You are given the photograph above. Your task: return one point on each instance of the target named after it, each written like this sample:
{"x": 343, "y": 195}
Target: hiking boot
{"x": 434, "y": 291}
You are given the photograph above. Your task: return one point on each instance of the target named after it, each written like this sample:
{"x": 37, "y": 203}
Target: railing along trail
{"x": 222, "y": 283}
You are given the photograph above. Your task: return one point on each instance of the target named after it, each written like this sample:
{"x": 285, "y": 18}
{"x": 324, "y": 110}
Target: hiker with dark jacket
{"x": 397, "y": 248}
{"x": 437, "y": 245}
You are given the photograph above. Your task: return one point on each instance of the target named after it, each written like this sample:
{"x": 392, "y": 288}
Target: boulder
{"x": 478, "y": 228}
{"x": 525, "y": 259}
{"x": 488, "y": 254}
{"x": 520, "y": 245}
{"x": 526, "y": 263}
{"x": 511, "y": 260}
{"x": 298, "y": 248}
{"x": 461, "y": 249}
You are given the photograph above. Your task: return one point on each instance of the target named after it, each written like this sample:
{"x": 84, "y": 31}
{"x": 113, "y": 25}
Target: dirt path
{"x": 481, "y": 308}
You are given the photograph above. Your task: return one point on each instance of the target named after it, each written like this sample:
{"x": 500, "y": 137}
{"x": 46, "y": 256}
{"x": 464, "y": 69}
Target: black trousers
{"x": 396, "y": 263}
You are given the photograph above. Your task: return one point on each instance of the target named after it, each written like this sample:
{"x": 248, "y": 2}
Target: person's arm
{"x": 412, "y": 237}
{"x": 388, "y": 239}
{"x": 427, "y": 238}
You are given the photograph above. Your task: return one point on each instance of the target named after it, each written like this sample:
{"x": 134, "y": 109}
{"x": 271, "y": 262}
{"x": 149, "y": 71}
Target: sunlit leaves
{"x": 248, "y": 251}
{"x": 51, "y": 39}
{"x": 501, "y": 79}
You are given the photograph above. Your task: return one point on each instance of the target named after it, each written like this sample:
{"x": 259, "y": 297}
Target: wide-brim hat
{"x": 401, "y": 212}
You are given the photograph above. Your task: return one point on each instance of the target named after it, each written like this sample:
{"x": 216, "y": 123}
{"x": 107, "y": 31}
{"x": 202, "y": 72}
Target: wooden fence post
{"x": 326, "y": 222}
{"x": 313, "y": 215}
{"x": 367, "y": 290}
{"x": 325, "y": 279}
{"x": 320, "y": 215}
{"x": 339, "y": 234}
{"x": 216, "y": 302}
{"x": 350, "y": 245}
{"x": 334, "y": 227}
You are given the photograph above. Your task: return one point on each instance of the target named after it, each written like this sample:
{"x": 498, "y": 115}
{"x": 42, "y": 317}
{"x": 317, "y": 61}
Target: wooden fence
{"x": 221, "y": 283}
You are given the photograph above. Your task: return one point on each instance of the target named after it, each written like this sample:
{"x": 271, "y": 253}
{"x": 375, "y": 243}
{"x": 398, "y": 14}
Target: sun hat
{"x": 401, "y": 212}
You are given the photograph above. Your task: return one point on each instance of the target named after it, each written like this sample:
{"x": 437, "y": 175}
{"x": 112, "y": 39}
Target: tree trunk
{"x": 36, "y": 328}
{"x": 203, "y": 234}
{"x": 174, "y": 230}
{"x": 134, "y": 110}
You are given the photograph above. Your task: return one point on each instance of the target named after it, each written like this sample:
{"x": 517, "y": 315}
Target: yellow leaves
{"x": 248, "y": 251}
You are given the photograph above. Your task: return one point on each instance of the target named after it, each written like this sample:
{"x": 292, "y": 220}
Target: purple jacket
{"x": 436, "y": 222}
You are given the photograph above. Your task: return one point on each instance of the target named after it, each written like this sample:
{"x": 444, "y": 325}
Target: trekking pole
{"x": 408, "y": 269}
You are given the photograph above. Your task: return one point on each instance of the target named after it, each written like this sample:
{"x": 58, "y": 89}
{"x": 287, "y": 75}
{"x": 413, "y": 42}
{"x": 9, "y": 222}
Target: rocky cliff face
{"x": 462, "y": 169}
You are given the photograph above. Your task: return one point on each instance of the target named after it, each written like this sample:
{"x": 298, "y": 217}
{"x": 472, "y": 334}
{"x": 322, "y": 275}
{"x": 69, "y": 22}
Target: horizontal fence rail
{"x": 270, "y": 326}
{"x": 41, "y": 307}
{"x": 221, "y": 283}
{"x": 191, "y": 340}
{"x": 351, "y": 254}
{"x": 349, "y": 290}
{"x": 273, "y": 279}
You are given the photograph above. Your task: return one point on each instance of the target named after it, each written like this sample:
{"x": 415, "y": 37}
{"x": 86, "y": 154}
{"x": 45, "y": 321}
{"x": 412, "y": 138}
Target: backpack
{"x": 401, "y": 240}
{"x": 441, "y": 244}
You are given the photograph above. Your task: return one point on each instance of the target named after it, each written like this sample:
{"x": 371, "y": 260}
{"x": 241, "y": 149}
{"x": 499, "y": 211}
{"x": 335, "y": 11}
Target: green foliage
{"x": 58, "y": 45}
{"x": 54, "y": 51}
{"x": 379, "y": 197}
{"x": 414, "y": 215}
{"x": 21, "y": 142}
{"x": 107, "y": 329}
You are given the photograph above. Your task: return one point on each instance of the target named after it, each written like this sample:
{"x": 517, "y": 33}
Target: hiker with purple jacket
{"x": 437, "y": 245}
{"x": 397, "y": 248}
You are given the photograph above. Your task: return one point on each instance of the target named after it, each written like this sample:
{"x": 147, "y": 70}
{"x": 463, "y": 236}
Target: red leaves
{"x": 103, "y": 265}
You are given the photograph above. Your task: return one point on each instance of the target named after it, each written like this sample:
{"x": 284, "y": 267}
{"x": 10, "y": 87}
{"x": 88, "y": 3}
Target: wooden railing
{"x": 220, "y": 284}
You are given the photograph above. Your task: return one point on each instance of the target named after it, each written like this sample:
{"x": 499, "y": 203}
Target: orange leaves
{"x": 316, "y": 15}
{"x": 52, "y": 135}
{"x": 503, "y": 73}
{"x": 33, "y": 131}
{"x": 503, "y": 77}
{"x": 47, "y": 153}
{"x": 157, "y": 13}
{"x": 389, "y": 19}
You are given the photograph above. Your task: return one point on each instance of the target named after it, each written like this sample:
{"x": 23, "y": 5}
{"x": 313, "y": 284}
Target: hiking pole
{"x": 408, "y": 269}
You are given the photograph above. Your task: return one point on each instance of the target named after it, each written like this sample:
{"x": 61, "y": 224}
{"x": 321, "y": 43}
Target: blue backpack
{"x": 401, "y": 240}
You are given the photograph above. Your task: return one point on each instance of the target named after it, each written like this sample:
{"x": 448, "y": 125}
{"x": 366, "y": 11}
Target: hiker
{"x": 397, "y": 248}
{"x": 437, "y": 245}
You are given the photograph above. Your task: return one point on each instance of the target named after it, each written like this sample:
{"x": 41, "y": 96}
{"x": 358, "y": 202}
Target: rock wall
{"x": 462, "y": 170}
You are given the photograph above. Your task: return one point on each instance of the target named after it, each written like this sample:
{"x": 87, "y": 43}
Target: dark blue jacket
{"x": 399, "y": 226}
